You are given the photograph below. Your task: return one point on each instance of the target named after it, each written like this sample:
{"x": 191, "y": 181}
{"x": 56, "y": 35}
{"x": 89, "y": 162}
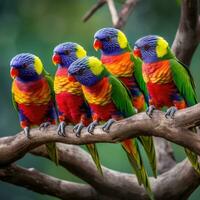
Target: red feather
{"x": 160, "y": 94}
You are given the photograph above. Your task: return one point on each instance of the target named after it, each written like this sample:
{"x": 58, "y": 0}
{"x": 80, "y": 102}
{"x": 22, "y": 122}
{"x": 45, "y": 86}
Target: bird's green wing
{"x": 50, "y": 82}
{"x": 183, "y": 81}
{"x": 139, "y": 77}
{"x": 13, "y": 100}
{"x": 121, "y": 98}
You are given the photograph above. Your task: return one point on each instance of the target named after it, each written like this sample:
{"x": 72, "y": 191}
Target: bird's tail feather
{"x": 193, "y": 158}
{"x": 148, "y": 144}
{"x": 132, "y": 150}
{"x": 52, "y": 151}
{"x": 95, "y": 156}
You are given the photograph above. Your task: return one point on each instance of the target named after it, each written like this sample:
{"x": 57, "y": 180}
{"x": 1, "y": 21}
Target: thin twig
{"x": 126, "y": 10}
{"x": 113, "y": 11}
{"x": 94, "y": 8}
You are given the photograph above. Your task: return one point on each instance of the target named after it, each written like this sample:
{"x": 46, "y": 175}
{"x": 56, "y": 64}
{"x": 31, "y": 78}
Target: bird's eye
{"x": 146, "y": 47}
{"x": 24, "y": 65}
{"x": 108, "y": 39}
{"x": 80, "y": 72}
{"x": 67, "y": 52}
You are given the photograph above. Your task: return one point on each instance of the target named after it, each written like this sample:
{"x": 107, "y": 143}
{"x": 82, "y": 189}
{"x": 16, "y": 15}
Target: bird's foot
{"x": 92, "y": 126}
{"x": 171, "y": 112}
{"x": 61, "y": 129}
{"x": 107, "y": 125}
{"x": 44, "y": 125}
{"x": 77, "y": 129}
{"x": 150, "y": 110}
{"x": 27, "y": 132}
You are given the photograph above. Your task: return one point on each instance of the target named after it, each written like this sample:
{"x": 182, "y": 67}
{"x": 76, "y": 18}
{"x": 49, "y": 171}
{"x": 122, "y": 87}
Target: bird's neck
{"x": 30, "y": 78}
{"x": 111, "y": 52}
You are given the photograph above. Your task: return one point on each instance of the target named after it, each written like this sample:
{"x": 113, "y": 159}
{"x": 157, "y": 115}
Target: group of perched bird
{"x": 87, "y": 91}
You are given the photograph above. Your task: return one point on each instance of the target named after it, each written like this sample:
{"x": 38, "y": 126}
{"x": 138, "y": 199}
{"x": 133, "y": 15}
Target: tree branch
{"x": 94, "y": 8}
{"x": 44, "y": 184}
{"x": 14, "y": 147}
{"x": 113, "y": 11}
{"x": 126, "y": 10}
{"x": 169, "y": 185}
{"x": 188, "y": 34}
{"x": 164, "y": 155}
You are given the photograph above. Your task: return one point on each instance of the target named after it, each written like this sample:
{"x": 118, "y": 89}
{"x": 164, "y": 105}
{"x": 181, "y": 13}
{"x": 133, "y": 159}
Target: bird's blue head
{"x": 87, "y": 70}
{"x": 26, "y": 66}
{"x": 151, "y": 48}
{"x": 111, "y": 41}
{"x": 66, "y": 53}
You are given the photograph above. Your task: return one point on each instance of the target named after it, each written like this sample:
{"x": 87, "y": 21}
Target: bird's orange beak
{"x": 14, "y": 72}
{"x": 71, "y": 78}
{"x": 97, "y": 44}
{"x": 56, "y": 59}
{"x": 137, "y": 53}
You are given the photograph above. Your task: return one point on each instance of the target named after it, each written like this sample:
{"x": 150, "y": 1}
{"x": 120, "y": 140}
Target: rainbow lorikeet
{"x": 169, "y": 82}
{"x": 33, "y": 96}
{"x": 118, "y": 58}
{"x": 109, "y": 101}
{"x": 72, "y": 108}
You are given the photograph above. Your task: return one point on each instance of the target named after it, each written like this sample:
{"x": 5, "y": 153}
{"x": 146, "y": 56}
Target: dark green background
{"x": 36, "y": 27}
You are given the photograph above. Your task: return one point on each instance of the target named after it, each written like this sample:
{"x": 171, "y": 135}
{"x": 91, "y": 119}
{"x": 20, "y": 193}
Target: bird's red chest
{"x": 104, "y": 112}
{"x": 36, "y": 114}
{"x": 71, "y": 106}
{"x": 161, "y": 94}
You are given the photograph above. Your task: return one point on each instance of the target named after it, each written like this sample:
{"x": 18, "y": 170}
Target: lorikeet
{"x": 169, "y": 81}
{"x": 33, "y": 96}
{"x": 70, "y": 101}
{"x": 118, "y": 58}
{"x": 109, "y": 101}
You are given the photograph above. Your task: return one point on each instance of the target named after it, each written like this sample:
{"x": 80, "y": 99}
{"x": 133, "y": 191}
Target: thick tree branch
{"x": 164, "y": 154}
{"x": 14, "y": 147}
{"x": 94, "y": 8}
{"x": 169, "y": 185}
{"x": 44, "y": 184}
{"x": 188, "y": 34}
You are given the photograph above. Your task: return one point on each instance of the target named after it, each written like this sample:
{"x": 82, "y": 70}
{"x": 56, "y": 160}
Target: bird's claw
{"x": 150, "y": 110}
{"x": 61, "y": 129}
{"x": 171, "y": 112}
{"x": 107, "y": 125}
{"x": 44, "y": 125}
{"x": 77, "y": 129}
{"x": 92, "y": 126}
{"x": 27, "y": 132}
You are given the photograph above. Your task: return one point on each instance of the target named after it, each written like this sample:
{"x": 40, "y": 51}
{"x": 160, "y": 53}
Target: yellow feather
{"x": 38, "y": 65}
{"x": 80, "y": 52}
{"x": 122, "y": 40}
{"x": 95, "y": 65}
{"x": 161, "y": 48}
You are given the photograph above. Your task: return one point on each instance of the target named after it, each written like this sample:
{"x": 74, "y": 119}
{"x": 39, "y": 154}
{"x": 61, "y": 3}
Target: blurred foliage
{"x": 36, "y": 27}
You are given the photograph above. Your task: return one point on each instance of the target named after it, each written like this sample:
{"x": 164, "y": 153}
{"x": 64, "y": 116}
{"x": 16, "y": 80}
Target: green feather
{"x": 50, "y": 82}
{"x": 183, "y": 81}
{"x": 13, "y": 100}
{"x": 122, "y": 101}
{"x": 121, "y": 97}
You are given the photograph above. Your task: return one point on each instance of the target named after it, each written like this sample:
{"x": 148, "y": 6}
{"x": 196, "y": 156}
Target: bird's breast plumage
{"x": 63, "y": 84}
{"x": 158, "y": 72}
{"x": 100, "y": 93}
{"x": 33, "y": 92}
{"x": 100, "y": 100}
{"x": 119, "y": 65}
{"x": 161, "y": 87}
